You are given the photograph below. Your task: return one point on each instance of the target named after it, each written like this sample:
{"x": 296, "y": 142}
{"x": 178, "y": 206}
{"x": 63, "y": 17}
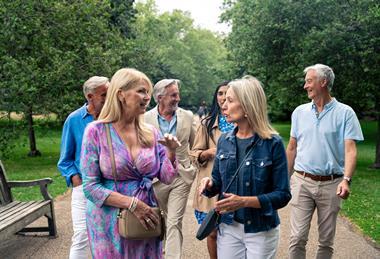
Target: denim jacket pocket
{"x": 262, "y": 168}
{"x": 223, "y": 160}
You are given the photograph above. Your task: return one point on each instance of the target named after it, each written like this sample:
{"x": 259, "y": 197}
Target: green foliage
{"x": 168, "y": 46}
{"x": 275, "y": 39}
{"x": 8, "y": 136}
{"x": 49, "y": 48}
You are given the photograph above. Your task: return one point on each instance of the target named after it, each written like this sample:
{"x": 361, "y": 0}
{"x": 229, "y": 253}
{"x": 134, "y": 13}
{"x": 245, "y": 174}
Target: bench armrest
{"x": 43, "y": 183}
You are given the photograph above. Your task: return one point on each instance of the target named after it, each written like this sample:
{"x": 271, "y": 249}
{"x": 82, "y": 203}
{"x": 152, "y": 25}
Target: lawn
{"x": 362, "y": 208}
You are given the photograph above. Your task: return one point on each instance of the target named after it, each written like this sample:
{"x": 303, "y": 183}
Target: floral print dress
{"x": 134, "y": 178}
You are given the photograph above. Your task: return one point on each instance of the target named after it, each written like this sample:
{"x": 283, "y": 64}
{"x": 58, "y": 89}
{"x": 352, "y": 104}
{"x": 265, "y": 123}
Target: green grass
{"x": 362, "y": 208}
{"x": 21, "y": 167}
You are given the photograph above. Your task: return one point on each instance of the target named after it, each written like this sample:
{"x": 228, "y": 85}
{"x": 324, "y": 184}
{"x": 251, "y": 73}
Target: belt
{"x": 321, "y": 178}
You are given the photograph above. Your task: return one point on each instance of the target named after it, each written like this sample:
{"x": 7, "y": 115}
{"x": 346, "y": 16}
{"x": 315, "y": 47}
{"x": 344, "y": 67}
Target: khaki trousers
{"x": 308, "y": 195}
{"x": 173, "y": 199}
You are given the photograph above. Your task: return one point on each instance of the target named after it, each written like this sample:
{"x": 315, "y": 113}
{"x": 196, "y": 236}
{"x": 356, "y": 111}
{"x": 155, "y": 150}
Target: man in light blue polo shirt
{"x": 95, "y": 91}
{"x": 322, "y": 154}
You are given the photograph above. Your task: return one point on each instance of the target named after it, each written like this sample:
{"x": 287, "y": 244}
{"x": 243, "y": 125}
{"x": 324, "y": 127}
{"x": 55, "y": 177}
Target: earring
{"x": 246, "y": 115}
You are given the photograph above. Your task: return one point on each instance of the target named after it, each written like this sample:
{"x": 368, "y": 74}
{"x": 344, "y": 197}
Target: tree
{"x": 275, "y": 39}
{"x": 48, "y": 49}
{"x": 168, "y": 46}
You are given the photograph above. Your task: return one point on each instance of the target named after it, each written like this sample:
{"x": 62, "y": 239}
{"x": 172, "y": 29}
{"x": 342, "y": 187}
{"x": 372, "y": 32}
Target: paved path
{"x": 349, "y": 244}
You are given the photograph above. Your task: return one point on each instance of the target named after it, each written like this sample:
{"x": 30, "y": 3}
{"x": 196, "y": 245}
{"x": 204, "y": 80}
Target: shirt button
{"x": 221, "y": 156}
{"x": 246, "y": 183}
{"x": 247, "y": 163}
{"x": 249, "y": 222}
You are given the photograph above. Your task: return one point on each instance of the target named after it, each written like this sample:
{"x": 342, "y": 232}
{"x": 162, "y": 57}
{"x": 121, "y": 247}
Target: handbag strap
{"x": 110, "y": 147}
{"x": 238, "y": 170}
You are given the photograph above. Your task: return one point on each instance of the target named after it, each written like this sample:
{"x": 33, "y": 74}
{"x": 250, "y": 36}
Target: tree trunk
{"x": 376, "y": 165}
{"x": 32, "y": 138}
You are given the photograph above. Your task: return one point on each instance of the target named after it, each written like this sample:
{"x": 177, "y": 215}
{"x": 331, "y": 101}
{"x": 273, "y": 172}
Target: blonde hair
{"x": 125, "y": 79}
{"x": 251, "y": 96}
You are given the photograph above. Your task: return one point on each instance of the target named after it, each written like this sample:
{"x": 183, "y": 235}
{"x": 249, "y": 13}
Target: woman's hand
{"x": 230, "y": 203}
{"x": 208, "y": 154}
{"x": 170, "y": 142}
{"x": 146, "y": 215}
{"x": 206, "y": 183}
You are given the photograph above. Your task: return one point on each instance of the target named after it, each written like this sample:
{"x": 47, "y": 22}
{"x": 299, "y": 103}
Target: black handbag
{"x": 212, "y": 219}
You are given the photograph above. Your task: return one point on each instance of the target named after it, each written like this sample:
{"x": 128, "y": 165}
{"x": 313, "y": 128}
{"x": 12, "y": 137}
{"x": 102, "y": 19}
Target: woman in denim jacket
{"x": 249, "y": 223}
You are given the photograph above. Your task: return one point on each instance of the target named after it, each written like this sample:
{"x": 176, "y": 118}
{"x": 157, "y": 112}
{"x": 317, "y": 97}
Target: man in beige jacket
{"x": 167, "y": 117}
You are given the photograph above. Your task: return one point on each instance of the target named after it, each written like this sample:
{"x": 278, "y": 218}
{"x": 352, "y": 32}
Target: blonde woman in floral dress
{"x": 139, "y": 155}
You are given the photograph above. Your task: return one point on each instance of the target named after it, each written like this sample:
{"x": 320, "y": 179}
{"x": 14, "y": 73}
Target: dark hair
{"x": 209, "y": 120}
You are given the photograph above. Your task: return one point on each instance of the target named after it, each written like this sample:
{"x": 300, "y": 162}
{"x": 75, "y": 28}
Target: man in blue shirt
{"x": 95, "y": 91}
{"x": 322, "y": 154}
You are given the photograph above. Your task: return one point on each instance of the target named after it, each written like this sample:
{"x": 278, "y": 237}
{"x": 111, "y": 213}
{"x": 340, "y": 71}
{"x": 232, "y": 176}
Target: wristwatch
{"x": 348, "y": 179}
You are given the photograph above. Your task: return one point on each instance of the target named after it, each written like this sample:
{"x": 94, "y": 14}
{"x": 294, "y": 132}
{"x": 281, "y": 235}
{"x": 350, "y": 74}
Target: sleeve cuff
{"x": 266, "y": 205}
{"x": 68, "y": 178}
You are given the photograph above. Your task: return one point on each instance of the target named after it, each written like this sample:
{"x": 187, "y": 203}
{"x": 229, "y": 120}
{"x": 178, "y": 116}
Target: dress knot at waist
{"x": 145, "y": 183}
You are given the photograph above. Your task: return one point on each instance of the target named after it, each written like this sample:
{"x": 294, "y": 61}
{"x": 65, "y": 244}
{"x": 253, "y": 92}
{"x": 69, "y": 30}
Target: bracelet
{"x": 133, "y": 205}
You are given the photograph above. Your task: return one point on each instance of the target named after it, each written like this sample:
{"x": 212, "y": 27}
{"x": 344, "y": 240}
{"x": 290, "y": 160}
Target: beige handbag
{"x": 131, "y": 228}
{"x": 129, "y": 225}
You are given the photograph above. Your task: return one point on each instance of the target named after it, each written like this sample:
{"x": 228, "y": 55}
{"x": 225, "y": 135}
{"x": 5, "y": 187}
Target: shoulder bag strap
{"x": 110, "y": 147}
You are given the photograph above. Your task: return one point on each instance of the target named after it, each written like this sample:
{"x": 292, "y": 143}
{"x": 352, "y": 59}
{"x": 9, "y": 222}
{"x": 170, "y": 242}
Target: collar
{"x": 174, "y": 113}
{"x": 231, "y": 136}
{"x": 84, "y": 112}
{"x": 163, "y": 118}
{"x": 326, "y": 107}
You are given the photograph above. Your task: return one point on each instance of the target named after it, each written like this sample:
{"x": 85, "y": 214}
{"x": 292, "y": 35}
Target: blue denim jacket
{"x": 265, "y": 175}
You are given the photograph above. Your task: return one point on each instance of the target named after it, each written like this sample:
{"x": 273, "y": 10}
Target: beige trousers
{"x": 173, "y": 199}
{"x": 308, "y": 195}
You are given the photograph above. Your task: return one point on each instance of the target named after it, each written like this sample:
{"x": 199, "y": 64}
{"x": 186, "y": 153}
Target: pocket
{"x": 294, "y": 189}
{"x": 262, "y": 167}
{"x": 223, "y": 161}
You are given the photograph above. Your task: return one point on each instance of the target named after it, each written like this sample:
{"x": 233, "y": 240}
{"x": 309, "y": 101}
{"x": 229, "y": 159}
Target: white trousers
{"x": 79, "y": 247}
{"x": 232, "y": 242}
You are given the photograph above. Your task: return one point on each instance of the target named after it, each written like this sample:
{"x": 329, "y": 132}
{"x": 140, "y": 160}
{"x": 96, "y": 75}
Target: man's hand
{"x": 343, "y": 190}
{"x": 76, "y": 180}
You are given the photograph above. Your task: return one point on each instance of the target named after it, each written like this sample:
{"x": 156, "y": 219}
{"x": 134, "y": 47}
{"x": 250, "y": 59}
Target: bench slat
{"x": 9, "y": 205}
{"x": 15, "y": 216}
{"x": 15, "y": 208}
{"x": 25, "y": 213}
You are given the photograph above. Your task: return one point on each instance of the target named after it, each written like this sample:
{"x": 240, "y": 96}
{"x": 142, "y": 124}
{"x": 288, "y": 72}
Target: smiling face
{"x": 232, "y": 108}
{"x": 168, "y": 102}
{"x": 313, "y": 85}
{"x": 135, "y": 100}
{"x": 221, "y": 95}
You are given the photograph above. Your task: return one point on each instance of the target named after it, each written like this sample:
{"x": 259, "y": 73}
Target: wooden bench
{"x": 16, "y": 215}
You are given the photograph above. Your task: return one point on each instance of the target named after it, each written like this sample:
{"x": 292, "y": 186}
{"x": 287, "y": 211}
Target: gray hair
{"x": 93, "y": 83}
{"x": 160, "y": 87}
{"x": 323, "y": 72}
